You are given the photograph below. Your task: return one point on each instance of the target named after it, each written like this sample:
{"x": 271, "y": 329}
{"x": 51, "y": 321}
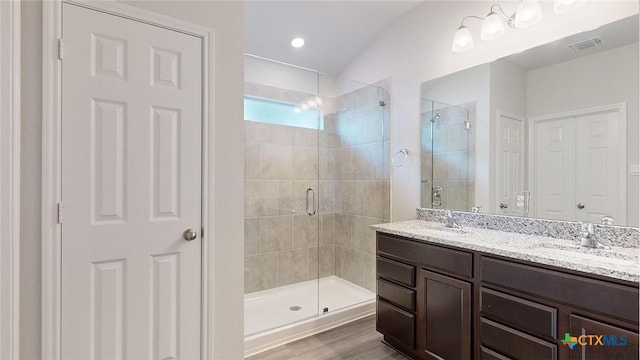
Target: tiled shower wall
{"x": 363, "y": 187}
{"x": 453, "y": 150}
{"x": 281, "y": 162}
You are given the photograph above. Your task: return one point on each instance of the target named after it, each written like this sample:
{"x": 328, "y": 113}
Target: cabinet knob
{"x": 580, "y": 206}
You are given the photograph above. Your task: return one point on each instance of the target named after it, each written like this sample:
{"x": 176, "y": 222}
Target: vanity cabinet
{"x": 444, "y": 321}
{"x": 439, "y": 302}
{"x": 427, "y": 288}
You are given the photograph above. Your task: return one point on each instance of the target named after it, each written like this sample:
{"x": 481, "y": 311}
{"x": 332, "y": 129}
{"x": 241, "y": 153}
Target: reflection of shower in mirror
{"x": 436, "y": 120}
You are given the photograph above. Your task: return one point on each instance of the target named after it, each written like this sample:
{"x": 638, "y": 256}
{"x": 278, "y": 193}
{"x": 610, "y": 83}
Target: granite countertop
{"x": 615, "y": 262}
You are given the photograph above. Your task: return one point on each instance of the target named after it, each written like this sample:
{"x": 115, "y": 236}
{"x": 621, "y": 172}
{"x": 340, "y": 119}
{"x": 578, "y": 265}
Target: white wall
{"x": 265, "y": 72}
{"x": 604, "y": 78}
{"x": 226, "y": 19}
{"x": 417, "y": 47}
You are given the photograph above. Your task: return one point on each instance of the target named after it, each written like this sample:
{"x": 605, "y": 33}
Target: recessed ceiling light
{"x": 297, "y": 42}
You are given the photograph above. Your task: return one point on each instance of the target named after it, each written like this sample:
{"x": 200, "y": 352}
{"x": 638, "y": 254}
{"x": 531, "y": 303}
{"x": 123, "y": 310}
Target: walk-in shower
{"x": 316, "y": 178}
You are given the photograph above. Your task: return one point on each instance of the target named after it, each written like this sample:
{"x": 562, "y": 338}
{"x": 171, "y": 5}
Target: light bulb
{"x": 297, "y": 42}
{"x": 529, "y": 13}
{"x": 492, "y": 27}
{"x": 462, "y": 40}
{"x": 565, "y": 6}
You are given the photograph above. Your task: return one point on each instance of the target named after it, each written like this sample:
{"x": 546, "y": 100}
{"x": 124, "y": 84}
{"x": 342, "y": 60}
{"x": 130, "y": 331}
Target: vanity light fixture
{"x": 495, "y": 24}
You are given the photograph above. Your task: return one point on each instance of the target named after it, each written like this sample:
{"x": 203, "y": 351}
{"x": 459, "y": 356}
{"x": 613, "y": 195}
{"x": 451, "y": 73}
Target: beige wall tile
{"x": 260, "y": 272}
{"x": 344, "y": 164}
{"x": 305, "y": 163}
{"x": 276, "y": 233}
{"x": 305, "y": 137}
{"x": 327, "y": 229}
{"x": 353, "y": 266}
{"x": 261, "y": 198}
{"x": 260, "y": 132}
{"x": 343, "y": 230}
{"x": 327, "y": 260}
{"x": 327, "y": 195}
{"x": 276, "y": 162}
{"x": 327, "y": 164}
{"x": 375, "y": 198}
{"x": 252, "y": 167}
{"x": 293, "y": 266}
{"x": 338, "y": 268}
{"x": 251, "y": 236}
{"x": 305, "y": 231}
{"x": 363, "y": 237}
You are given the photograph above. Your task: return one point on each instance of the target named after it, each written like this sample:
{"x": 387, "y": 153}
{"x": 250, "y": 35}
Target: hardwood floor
{"x": 355, "y": 341}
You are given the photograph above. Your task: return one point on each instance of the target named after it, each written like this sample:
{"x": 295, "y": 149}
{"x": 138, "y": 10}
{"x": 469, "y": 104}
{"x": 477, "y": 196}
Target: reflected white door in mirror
{"x": 510, "y": 165}
{"x": 579, "y": 164}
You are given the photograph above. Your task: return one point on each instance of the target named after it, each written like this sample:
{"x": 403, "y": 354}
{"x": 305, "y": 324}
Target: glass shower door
{"x": 282, "y": 120}
{"x": 447, "y": 159}
{"x": 353, "y": 188}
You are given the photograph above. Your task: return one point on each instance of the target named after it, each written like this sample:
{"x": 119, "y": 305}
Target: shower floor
{"x": 271, "y": 308}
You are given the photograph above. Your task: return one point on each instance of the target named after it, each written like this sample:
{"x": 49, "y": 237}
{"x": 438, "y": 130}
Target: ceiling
{"x": 334, "y": 31}
{"x": 615, "y": 34}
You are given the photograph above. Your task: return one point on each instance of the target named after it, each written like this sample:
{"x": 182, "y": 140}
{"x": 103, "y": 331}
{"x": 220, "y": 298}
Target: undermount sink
{"x": 600, "y": 254}
{"x": 440, "y": 227}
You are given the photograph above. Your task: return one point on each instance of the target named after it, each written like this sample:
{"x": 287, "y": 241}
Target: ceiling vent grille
{"x": 586, "y": 44}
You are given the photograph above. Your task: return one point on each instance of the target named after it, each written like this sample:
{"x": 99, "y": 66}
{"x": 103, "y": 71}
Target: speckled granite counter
{"x": 617, "y": 262}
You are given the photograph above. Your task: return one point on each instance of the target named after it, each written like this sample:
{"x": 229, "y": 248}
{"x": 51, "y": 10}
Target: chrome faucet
{"x": 588, "y": 235}
{"x": 449, "y": 222}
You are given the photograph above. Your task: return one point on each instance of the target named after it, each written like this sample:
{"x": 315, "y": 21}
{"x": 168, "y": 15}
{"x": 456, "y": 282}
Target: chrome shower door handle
{"x": 311, "y": 211}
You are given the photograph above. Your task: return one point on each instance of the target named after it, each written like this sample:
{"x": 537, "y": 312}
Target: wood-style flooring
{"x": 358, "y": 340}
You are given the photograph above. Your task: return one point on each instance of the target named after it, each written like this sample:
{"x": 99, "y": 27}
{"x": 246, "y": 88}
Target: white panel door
{"x": 577, "y": 168}
{"x": 597, "y": 167}
{"x": 510, "y": 163}
{"x": 554, "y": 192}
{"x": 131, "y": 185}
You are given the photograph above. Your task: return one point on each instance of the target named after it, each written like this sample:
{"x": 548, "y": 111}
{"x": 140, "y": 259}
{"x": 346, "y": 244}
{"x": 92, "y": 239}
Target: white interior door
{"x": 597, "y": 168}
{"x": 510, "y": 163}
{"x": 131, "y": 185}
{"x": 553, "y": 169}
{"x": 578, "y": 172}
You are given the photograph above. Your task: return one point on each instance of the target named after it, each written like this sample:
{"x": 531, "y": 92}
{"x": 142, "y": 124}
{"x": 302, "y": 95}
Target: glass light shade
{"x": 492, "y": 27}
{"x": 565, "y": 6}
{"x": 462, "y": 40}
{"x": 529, "y": 13}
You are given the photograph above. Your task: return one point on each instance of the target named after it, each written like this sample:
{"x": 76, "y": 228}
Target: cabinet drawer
{"x": 525, "y": 315}
{"x": 616, "y": 342}
{"x": 397, "y": 294}
{"x": 610, "y": 299}
{"x": 513, "y": 343}
{"x": 452, "y": 261}
{"x": 396, "y": 271}
{"x": 488, "y": 354}
{"x": 396, "y": 323}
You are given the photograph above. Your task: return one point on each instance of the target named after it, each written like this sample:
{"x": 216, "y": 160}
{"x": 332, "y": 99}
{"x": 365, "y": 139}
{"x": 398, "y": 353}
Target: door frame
{"x": 10, "y": 178}
{"x": 51, "y": 164}
{"x": 621, "y": 108}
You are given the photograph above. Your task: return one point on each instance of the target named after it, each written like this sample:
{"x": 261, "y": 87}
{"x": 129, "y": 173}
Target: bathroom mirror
{"x": 551, "y": 132}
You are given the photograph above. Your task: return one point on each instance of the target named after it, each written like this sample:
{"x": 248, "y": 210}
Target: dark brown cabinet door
{"x": 444, "y": 313}
{"x": 614, "y": 342}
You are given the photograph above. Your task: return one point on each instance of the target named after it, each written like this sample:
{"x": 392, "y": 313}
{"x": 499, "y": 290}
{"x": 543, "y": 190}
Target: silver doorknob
{"x": 189, "y": 234}
{"x": 503, "y": 206}
{"x": 580, "y": 206}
